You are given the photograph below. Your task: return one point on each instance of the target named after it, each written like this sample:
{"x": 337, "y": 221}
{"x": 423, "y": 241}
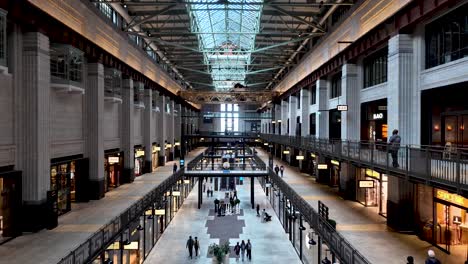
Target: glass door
{"x": 442, "y": 226}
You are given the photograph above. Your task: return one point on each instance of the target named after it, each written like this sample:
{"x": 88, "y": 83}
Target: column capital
{"x": 401, "y": 43}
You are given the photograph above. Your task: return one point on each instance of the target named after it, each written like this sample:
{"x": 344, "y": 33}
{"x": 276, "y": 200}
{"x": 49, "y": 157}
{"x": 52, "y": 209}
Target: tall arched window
{"x": 229, "y": 117}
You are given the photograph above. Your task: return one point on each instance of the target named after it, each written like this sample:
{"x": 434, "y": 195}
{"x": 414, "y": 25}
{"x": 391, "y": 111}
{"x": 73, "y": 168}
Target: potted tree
{"x": 219, "y": 252}
{"x": 216, "y": 202}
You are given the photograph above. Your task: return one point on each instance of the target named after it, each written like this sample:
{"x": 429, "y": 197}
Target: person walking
{"x": 237, "y": 251}
{"x": 189, "y": 246}
{"x": 410, "y": 260}
{"x": 196, "y": 245}
{"x": 174, "y": 168}
{"x": 277, "y": 169}
{"x": 431, "y": 258}
{"x": 282, "y": 170}
{"x": 243, "y": 247}
{"x": 249, "y": 250}
{"x": 258, "y": 209}
{"x": 394, "y": 143}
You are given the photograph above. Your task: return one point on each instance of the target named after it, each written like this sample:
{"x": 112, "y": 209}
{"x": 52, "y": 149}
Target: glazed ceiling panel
{"x": 226, "y": 34}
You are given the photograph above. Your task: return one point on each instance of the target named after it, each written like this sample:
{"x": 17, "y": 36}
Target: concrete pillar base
{"x": 96, "y": 189}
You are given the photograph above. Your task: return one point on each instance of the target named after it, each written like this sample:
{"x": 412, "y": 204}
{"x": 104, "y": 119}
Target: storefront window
{"x": 154, "y": 157}
{"x": 447, "y": 38}
{"x": 313, "y": 94}
{"x": 62, "y": 180}
{"x": 113, "y": 164}
{"x": 373, "y": 189}
{"x": 139, "y": 161}
{"x": 450, "y": 231}
{"x": 374, "y": 121}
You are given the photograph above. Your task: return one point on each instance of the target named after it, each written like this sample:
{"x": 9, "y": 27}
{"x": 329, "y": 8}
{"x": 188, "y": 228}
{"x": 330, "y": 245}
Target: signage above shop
{"x": 450, "y": 197}
{"x": 342, "y": 107}
{"x": 265, "y": 144}
{"x": 382, "y": 108}
{"x": 113, "y": 160}
{"x": 300, "y": 157}
{"x": 176, "y": 193}
{"x": 377, "y": 116}
{"x": 177, "y": 144}
{"x": 322, "y": 166}
{"x": 312, "y": 155}
{"x": 156, "y": 149}
{"x": 159, "y": 212}
{"x": 335, "y": 162}
{"x": 366, "y": 184}
{"x": 286, "y": 152}
{"x": 139, "y": 153}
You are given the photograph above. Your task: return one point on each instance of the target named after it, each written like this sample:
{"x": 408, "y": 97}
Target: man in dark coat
{"x": 394, "y": 143}
{"x": 190, "y": 245}
{"x": 277, "y": 169}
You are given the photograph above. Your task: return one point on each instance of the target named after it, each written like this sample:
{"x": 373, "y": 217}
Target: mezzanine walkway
{"x": 362, "y": 227}
{"x": 49, "y": 246}
{"x": 270, "y": 243}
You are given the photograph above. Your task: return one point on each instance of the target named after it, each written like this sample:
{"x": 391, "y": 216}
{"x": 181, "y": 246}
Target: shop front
{"x": 10, "y": 203}
{"x": 139, "y": 160}
{"x": 113, "y": 164}
{"x": 334, "y": 124}
{"x": 372, "y": 189}
{"x": 374, "y": 121}
{"x": 155, "y": 157}
{"x": 447, "y": 227}
{"x": 68, "y": 178}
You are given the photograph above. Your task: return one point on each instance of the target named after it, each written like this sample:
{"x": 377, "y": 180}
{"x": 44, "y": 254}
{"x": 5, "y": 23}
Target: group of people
{"x": 265, "y": 217}
{"x": 431, "y": 258}
{"x": 191, "y": 245}
{"x": 242, "y": 248}
{"x": 279, "y": 170}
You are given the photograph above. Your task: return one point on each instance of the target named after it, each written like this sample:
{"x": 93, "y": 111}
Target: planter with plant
{"x": 332, "y": 223}
{"x": 219, "y": 251}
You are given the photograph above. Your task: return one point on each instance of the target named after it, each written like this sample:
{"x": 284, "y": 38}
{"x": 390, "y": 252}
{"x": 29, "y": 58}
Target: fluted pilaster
{"x": 127, "y": 130}
{"x": 350, "y": 120}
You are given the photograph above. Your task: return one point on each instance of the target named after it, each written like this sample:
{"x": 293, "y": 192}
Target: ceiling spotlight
{"x": 148, "y": 33}
{"x": 124, "y": 6}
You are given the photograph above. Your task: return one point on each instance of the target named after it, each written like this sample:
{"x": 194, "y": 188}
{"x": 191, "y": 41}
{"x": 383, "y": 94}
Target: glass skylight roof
{"x": 226, "y": 32}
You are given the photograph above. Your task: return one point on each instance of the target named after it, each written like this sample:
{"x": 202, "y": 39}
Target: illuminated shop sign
{"x": 335, "y": 162}
{"x": 450, "y": 197}
{"x": 113, "y": 160}
{"x": 139, "y": 153}
{"x": 342, "y": 107}
{"x": 156, "y": 149}
{"x": 366, "y": 184}
{"x": 322, "y": 166}
{"x": 377, "y": 116}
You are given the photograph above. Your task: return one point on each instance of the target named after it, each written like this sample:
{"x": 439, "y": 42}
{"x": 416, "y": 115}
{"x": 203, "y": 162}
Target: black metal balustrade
{"x": 433, "y": 165}
{"x": 342, "y": 249}
{"x": 105, "y": 236}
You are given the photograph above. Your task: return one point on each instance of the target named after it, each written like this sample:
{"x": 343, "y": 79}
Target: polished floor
{"x": 362, "y": 226}
{"x": 270, "y": 243}
{"x": 49, "y": 246}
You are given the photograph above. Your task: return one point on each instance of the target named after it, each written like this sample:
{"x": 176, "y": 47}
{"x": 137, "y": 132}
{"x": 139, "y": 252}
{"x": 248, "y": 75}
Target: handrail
{"x": 336, "y": 242}
{"x": 343, "y": 249}
{"x": 106, "y": 234}
{"x": 446, "y": 168}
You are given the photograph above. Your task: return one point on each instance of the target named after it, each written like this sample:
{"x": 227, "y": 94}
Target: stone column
{"x": 148, "y": 130}
{"x": 177, "y": 127}
{"x": 322, "y": 116}
{"x": 305, "y": 105}
{"x": 162, "y": 128}
{"x": 404, "y": 111}
{"x": 94, "y": 140}
{"x": 277, "y": 117}
{"x": 127, "y": 138}
{"x": 284, "y": 116}
{"x": 292, "y": 115}
{"x": 33, "y": 144}
{"x": 350, "y": 120}
{"x": 170, "y": 126}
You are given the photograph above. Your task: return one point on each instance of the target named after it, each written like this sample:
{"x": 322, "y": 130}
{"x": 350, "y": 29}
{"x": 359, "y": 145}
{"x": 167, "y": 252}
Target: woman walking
{"x": 237, "y": 251}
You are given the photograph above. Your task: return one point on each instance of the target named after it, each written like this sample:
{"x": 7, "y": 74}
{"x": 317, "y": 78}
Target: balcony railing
{"x": 441, "y": 166}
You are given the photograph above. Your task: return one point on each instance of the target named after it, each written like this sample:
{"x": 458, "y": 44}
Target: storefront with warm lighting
{"x": 443, "y": 219}
{"x": 372, "y": 189}
{"x": 139, "y": 160}
{"x": 113, "y": 166}
{"x": 374, "y": 121}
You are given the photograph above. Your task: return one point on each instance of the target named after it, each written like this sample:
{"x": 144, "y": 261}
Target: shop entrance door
{"x": 60, "y": 181}
{"x": 442, "y": 227}
{"x": 453, "y": 126}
